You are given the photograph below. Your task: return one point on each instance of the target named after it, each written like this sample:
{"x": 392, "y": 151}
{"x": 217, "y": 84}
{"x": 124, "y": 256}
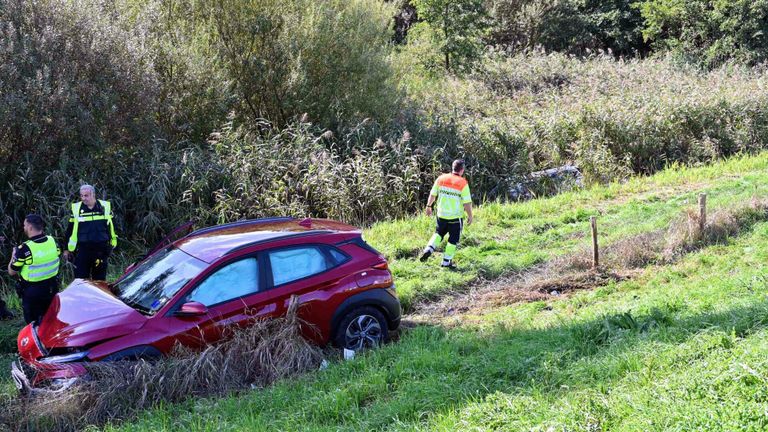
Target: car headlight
{"x": 64, "y": 358}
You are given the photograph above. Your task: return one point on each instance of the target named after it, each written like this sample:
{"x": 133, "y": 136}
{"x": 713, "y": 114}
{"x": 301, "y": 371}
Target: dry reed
{"x": 252, "y": 357}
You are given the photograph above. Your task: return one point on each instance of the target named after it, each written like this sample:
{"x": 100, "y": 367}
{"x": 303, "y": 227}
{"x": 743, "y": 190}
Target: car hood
{"x": 86, "y": 313}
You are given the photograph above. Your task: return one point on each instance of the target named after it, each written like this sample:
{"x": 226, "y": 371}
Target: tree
{"x": 572, "y": 26}
{"x": 709, "y": 32}
{"x": 287, "y": 57}
{"x": 455, "y": 27}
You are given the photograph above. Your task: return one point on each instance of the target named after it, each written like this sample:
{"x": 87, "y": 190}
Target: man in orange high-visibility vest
{"x": 454, "y": 202}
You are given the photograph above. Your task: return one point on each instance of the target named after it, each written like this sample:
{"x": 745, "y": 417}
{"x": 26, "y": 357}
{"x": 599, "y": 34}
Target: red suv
{"x": 231, "y": 274}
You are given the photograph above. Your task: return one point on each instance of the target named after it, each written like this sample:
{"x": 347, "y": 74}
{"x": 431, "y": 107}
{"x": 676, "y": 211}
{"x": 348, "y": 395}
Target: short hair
{"x": 458, "y": 165}
{"x": 88, "y": 187}
{"x": 36, "y": 221}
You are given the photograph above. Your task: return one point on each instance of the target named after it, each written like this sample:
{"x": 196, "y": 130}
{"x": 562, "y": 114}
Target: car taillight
{"x": 381, "y": 266}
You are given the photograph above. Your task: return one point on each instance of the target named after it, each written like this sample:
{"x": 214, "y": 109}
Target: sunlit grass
{"x": 681, "y": 347}
{"x": 511, "y": 237}
{"x": 638, "y": 354}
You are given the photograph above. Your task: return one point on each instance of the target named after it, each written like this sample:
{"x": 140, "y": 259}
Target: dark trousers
{"x": 452, "y": 227}
{"x": 91, "y": 260}
{"x": 36, "y": 298}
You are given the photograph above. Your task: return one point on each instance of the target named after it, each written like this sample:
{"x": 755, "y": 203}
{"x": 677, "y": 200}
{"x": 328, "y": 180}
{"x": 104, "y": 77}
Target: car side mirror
{"x": 190, "y": 309}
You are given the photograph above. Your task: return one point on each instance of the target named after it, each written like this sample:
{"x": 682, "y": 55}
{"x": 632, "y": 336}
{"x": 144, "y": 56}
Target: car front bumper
{"x": 30, "y": 379}
{"x": 20, "y": 379}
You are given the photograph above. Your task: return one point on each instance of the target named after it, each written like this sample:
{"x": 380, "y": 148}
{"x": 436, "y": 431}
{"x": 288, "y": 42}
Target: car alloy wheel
{"x": 363, "y": 332}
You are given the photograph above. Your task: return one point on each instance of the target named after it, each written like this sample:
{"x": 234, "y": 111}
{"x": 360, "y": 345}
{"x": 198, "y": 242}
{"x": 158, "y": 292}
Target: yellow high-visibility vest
{"x": 76, "y": 219}
{"x": 45, "y": 261}
{"x": 452, "y": 192}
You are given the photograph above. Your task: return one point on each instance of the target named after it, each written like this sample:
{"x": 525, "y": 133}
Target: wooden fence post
{"x": 702, "y": 211}
{"x": 595, "y": 252}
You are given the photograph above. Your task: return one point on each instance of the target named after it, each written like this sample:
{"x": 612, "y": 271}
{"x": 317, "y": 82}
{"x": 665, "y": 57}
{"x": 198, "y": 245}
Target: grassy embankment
{"x": 680, "y": 346}
{"x": 443, "y": 375}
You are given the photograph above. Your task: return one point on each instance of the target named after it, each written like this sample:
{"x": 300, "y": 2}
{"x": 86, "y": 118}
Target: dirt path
{"x": 622, "y": 260}
{"x": 541, "y": 283}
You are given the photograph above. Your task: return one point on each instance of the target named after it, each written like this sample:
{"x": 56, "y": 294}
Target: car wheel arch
{"x": 371, "y": 298}
{"x": 349, "y": 321}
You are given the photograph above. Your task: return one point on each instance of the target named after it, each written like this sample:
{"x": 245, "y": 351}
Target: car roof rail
{"x": 238, "y": 223}
{"x": 282, "y": 237}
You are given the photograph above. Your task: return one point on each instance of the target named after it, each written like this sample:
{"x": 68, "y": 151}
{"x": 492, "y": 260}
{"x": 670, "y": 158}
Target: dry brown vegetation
{"x": 253, "y": 357}
{"x": 619, "y": 261}
{"x": 686, "y": 235}
{"x": 271, "y": 350}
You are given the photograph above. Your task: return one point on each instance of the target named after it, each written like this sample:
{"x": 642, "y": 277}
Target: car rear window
{"x": 296, "y": 263}
{"x": 338, "y": 256}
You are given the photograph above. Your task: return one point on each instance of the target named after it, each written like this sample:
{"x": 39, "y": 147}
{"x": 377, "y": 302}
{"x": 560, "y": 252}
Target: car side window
{"x": 292, "y": 264}
{"x": 338, "y": 257}
{"x": 232, "y": 281}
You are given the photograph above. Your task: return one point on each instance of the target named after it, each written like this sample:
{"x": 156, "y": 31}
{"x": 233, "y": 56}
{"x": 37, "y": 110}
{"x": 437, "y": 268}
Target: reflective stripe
{"x": 450, "y": 191}
{"x": 48, "y": 264}
{"x": 54, "y": 270}
{"x": 44, "y": 263}
{"x": 91, "y": 218}
{"x": 78, "y": 217}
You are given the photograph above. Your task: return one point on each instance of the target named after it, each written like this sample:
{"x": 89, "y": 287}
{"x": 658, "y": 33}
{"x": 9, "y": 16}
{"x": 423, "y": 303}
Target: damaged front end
{"x": 41, "y": 369}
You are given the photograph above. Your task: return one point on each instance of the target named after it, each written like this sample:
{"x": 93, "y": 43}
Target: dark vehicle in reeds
{"x": 192, "y": 290}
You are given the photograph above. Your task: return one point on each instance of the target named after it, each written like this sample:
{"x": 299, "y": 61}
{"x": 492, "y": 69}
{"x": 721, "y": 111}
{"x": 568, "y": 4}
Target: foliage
{"x": 194, "y": 97}
{"x": 455, "y": 29}
{"x": 328, "y": 59}
{"x": 709, "y": 32}
{"x": 611, "y": 118}
{"x": 297, "y": 172}
{"x": 573, "y": 26}
{"x": 72, "y": 81}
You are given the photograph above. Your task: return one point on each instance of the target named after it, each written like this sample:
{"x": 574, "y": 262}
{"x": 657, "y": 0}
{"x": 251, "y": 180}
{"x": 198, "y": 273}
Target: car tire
{"x": 362, "y": 328}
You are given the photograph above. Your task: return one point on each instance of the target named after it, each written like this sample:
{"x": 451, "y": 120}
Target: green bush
{"x": 72, "y": 81}
{"x": 328, "y": 59}
{"x": 709, "y": 32}
{"x": 571, "y": 26}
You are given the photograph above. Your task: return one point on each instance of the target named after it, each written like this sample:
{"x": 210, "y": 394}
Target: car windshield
{"x": 157, "y": 280}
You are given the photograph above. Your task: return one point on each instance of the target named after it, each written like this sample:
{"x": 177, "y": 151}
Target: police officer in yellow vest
{"x": 90, "y": 235}
{"x": 36, "y": 262}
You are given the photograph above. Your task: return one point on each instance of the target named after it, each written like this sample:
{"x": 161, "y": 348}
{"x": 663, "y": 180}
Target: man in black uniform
{"x": 90, "y": 235}
{"x": 36, "y": 262}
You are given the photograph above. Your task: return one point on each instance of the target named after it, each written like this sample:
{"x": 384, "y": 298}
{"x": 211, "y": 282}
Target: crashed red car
{"x": 190, "y": 291}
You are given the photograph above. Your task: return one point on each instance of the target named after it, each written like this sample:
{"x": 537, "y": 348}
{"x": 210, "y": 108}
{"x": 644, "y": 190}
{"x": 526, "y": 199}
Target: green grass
{"x": 680, "y": 347}
{"x": 511, "y": 237}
